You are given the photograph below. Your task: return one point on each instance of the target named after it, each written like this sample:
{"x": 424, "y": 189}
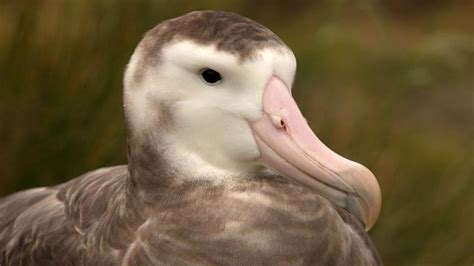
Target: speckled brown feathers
{"x": 95, "y": 220}
{"x": 229, "y": 32}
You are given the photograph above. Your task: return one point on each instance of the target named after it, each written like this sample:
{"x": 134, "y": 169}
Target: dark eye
{"x": 210, "y": 76}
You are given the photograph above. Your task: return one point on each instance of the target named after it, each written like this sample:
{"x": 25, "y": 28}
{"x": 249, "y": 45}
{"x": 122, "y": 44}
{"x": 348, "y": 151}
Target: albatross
{"x": 222, "y": 167}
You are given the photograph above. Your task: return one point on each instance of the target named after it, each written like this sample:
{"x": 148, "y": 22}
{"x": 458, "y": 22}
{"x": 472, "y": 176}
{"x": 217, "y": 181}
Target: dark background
{"x": 386, "y": 83}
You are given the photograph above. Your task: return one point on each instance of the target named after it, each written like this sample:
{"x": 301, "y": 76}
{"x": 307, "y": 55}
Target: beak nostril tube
{"x": 277, "y": 121}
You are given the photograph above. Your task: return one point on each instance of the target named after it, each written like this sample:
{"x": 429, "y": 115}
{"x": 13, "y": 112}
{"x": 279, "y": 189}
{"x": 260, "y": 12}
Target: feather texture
{"x": 98, "y": 219}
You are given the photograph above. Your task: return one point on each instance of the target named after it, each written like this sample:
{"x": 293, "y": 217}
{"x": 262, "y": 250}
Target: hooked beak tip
{"x": 366, "y": 201}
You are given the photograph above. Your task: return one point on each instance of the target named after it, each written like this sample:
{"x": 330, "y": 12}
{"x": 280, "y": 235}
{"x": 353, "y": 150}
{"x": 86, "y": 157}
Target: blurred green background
{"x": 387, "y": 83}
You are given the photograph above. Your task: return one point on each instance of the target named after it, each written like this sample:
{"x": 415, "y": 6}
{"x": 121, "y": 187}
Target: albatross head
{"x": 209, "y": 94}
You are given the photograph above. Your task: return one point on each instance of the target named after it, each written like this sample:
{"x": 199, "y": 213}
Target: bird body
{"x": 222, "y": 167}
{"x": 95, "y": 220}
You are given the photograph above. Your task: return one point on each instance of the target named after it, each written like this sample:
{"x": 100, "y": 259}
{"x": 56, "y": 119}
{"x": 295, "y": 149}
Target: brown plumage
{"x": 143, "y": 214}
{"x": 98, "y": 219}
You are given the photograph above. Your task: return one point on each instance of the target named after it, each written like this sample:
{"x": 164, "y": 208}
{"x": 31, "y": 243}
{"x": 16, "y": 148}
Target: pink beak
{"x": 288, "y": 145}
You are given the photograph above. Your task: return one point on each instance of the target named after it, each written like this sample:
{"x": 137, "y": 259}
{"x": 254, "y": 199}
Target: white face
{"x": 211, "y": 130}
